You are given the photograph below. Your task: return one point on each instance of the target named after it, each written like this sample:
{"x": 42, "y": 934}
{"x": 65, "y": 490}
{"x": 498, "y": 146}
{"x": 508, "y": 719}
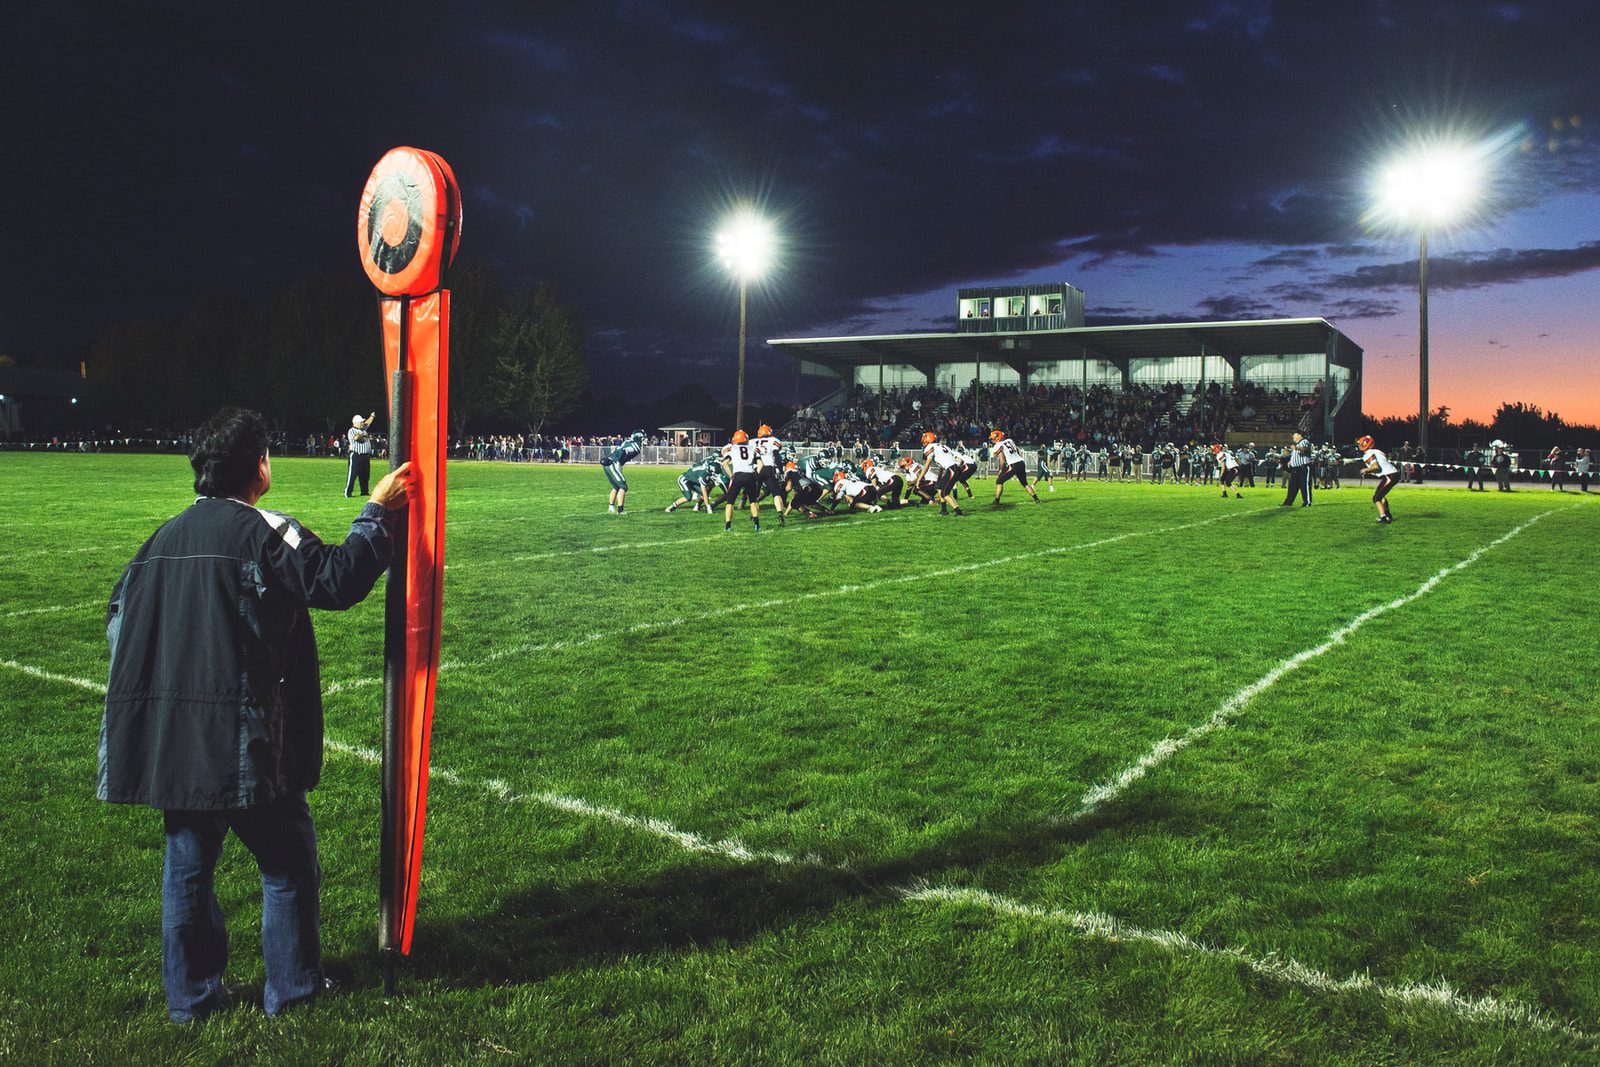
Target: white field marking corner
{"x": 781, "y": 602}
{"x": 732, "y": 849}
{"x": 1102, "y": 927}
{"x": 1168, "y": 747}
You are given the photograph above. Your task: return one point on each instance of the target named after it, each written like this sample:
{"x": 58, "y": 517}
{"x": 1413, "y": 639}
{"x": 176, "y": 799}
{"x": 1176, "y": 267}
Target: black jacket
{"x": 214, "y": 700}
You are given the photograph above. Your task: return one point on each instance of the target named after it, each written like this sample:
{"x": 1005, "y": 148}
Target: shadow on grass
{"x": 700, "y": 902}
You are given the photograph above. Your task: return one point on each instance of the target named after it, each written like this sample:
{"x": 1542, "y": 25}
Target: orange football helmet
{"x": 997, "y": 436}
{"x": 838, "y": 476}
{"x": 1364, "y": 442}
{"x": 929, "y": 437}
{"x": 740, "y": 437}
{"x": 763, "y": 430}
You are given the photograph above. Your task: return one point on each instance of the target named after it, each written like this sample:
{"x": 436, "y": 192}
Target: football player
{"x": 696, "y": 483}
{"x": 1229, "y": 467}
{"x": 937, "y": 455}
{"x": 964, "y": 470}
{"x": 855, "y": 492}
{"x": 1009, "y": 459}
{"x": 804, "y": 491}
{"x": 1388, "y": 475}
{"x": 769, "y": 448}
{"x": 739, "y": 459}
{"x": 1047, "y": 456}
{"x": 630, "y": 449}
{"x": 891, "y": 484}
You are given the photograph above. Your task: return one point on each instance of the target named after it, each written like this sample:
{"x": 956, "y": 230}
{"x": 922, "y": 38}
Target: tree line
{"x": 1523, "y": 425}
{"x": 311, "y": 354}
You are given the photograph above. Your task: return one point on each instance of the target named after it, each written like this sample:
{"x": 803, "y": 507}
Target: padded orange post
{"x": 408, "y": 227}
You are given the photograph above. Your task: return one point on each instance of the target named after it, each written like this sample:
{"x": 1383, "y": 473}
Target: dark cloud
{"x": 1231, "y": 308}
{"x": 1474, "y": 270}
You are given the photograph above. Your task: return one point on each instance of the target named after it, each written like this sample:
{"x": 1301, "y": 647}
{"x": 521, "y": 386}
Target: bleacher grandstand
{"x": 1044, "y": 373}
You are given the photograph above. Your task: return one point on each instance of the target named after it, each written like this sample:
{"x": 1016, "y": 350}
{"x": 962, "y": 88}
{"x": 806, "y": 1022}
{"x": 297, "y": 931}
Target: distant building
{"x": 1029, "y": 334}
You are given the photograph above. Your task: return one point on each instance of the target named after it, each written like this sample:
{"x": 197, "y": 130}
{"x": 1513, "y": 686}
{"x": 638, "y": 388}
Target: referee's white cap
{"x": 355, "y": 420}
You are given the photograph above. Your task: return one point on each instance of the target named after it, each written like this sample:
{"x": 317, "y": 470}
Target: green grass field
{"x": 830, "y": 793}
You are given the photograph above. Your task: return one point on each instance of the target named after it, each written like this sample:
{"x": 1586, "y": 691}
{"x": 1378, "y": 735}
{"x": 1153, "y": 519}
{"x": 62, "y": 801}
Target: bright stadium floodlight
{"x": 745, "y": 246}
{"x": 1430, "y": 187}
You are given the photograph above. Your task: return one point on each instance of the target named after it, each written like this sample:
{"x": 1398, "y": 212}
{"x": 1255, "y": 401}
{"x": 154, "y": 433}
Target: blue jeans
{"x": 194, "y": 937}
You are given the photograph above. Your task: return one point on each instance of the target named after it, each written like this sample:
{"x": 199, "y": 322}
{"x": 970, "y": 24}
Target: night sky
{"x": 1174, "y": 161}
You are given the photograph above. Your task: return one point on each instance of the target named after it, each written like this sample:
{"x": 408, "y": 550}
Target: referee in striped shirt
{"x": 360, "y": 445}
{"x": 1299, "y": 478}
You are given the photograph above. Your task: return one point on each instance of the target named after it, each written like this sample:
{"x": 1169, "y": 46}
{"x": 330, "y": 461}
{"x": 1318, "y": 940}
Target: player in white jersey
{"x": 1009, "y": 459}
{"x": 890, "y": 483}
{"x": 936, "y": 455}
{"x": 1228, "y": 463}
{"x": 770, "y": 476}
{"x": 923, "y": 490}
{"x": 741, "y": 462}
{"x": 855, "y": 492}
{"x": 1388, "y": 475}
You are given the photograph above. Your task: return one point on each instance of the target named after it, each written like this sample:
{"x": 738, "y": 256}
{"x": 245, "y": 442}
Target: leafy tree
{"x": 541, "y": 363}
{"x": 476, "y": 301}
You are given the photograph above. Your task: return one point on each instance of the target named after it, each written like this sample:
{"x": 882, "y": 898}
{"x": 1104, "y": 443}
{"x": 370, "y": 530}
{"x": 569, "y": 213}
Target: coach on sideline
{"x": 214, "y": 705}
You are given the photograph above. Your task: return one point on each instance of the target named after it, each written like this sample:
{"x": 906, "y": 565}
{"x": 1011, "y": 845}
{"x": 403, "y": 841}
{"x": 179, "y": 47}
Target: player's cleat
{"x": 611, "y": 509}
{"x": 727, "y": 527}
{"x": 1238, "y": 496}
{"x": 944, "y": 509}
{"x": 1052, "y": 488}
{"x": 959, "y": 511}
{"x": 670, "y": 508}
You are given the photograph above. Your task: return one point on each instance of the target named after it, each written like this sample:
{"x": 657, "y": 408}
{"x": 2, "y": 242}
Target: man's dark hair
{"x": 227, "y": 448}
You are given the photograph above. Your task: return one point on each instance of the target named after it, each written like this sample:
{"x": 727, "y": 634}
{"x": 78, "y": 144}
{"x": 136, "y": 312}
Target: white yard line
{"x": 1101, "y": 927}
{"x": 50, "y": 676}
{"x": 732, "y": 849}
{"x": 55, "y": 608}
{"x": 782, "y": 602}
{"x": 1171, "y": 746}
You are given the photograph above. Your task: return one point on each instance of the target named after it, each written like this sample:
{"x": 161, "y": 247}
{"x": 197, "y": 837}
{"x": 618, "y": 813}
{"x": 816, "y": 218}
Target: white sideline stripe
{"x": 1170, "y": 746}
{"x": 1101, "y": 927}
{"x": 54, "y": 608}
{"x": 51, "y": 676}
{"x": 596, "y": 550}
{"x": 781, "y": 602}
{"x": 690, "y": 842}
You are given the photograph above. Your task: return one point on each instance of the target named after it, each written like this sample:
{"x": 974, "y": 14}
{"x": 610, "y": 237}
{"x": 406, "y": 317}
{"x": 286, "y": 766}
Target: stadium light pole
{"x": 1426, "y": 189}
{"x": 745, "y": 245}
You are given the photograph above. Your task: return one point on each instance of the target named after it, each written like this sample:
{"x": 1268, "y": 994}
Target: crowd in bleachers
{"x": 1138, "y": 414}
